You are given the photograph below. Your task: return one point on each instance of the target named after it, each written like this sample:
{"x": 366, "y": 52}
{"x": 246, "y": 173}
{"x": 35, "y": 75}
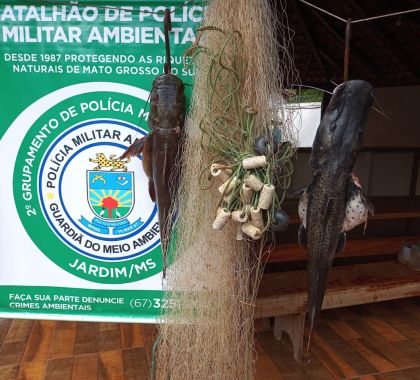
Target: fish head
{"x": 167, "y": 101}
{"x": 356, "y": 180}
{"x": 339, "y": 136}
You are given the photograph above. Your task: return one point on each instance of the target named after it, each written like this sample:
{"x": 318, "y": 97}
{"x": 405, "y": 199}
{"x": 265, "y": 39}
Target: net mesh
{"x": 208, "y": 330}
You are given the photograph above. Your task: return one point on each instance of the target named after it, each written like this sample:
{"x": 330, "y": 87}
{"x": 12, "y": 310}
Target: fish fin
{"x": 152, "y": 191}
{"x": 165, "y": 228}
{"x": 146, "y": 156}
{"x": 135, "y": 148}
{"x": 368, "y": 203}
{"x": 303, "y": 237}
{"x": 341, "y": 243}
{"x": 370, "y": 209}
{"x": 297, "y": 193}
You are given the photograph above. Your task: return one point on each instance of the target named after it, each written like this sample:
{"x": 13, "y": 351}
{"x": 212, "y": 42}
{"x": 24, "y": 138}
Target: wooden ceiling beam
{"x": 308, "y": 34}
{"x": 377, "y": 27}
{"x": 360, "y": 55}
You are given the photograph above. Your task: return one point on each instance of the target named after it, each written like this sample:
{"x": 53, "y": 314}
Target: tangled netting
{"x": 243, "y": 67}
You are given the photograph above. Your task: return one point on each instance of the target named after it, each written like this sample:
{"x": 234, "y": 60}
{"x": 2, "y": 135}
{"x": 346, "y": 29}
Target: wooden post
{"x": 294, "y": 326}
{"x": 347, "y": 51}
{"x": 413, "y": 188}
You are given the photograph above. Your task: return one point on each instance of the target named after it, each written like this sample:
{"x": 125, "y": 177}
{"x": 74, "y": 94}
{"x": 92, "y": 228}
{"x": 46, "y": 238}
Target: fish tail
{"x": 135, "y": 148}
{"x": 165, "y": 233}
{"x": 317, "y": 284}
{"x": 311, "y": 328}
{"x": 164, "y": 247}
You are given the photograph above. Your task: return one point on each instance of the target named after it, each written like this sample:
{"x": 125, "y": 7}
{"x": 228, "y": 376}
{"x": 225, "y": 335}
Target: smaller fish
{"x": 358, "y": 207}
{"x": 161, "y": 148}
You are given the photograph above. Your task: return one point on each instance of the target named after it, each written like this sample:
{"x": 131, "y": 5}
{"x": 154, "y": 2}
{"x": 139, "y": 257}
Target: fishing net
{"x": 243, "y": 66}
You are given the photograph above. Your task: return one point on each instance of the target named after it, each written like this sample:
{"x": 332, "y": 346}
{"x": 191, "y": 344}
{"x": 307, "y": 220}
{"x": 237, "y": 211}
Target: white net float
{"x": 266, "y": 197}
{"x": 228, "y": 185}
{"x": 239, "y": 216}
{"x": 250, "y": 230}
{"x": 257, "y": 218}
{"x": 246, "y": 192}
{"x": 254, "y": 183}
{"x": 254, "y": 162}
{"x": 221, "y": 219}
{"x": 220, "y": 171}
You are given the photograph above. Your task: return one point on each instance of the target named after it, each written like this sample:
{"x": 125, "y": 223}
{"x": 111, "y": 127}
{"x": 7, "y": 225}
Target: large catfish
{"x": 161, "y": 148}
{"x": 334, "y": 191}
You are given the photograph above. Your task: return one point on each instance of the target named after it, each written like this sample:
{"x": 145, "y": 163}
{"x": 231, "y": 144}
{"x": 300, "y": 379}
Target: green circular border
{"x": 37, "y": 227}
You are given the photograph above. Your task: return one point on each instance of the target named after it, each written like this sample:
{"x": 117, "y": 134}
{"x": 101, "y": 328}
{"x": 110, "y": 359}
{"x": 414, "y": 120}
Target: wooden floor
{"x": 372, "y": 342}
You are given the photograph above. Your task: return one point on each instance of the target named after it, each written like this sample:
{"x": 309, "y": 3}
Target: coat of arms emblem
{"x": 110, "y": 196}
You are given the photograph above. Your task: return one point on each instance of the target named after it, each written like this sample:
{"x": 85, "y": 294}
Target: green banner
{"x": 84, "y": 304}
{"x": 77, "y": 223}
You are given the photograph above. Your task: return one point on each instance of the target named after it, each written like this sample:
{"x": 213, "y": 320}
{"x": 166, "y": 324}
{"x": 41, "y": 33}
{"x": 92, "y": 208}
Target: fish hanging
{"x": 333, "y": 202}
{"x": 161, "y": 148}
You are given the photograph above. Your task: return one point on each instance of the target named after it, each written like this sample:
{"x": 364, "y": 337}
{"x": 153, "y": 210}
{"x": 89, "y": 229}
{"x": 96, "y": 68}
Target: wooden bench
{"x": 354, "y": 248}
{"x": 283, "y": 295}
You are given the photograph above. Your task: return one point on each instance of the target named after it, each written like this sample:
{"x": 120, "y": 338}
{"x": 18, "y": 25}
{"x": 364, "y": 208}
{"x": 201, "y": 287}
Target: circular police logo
{"x": 84, "y": 206}
{"x": 88, "y": 193}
